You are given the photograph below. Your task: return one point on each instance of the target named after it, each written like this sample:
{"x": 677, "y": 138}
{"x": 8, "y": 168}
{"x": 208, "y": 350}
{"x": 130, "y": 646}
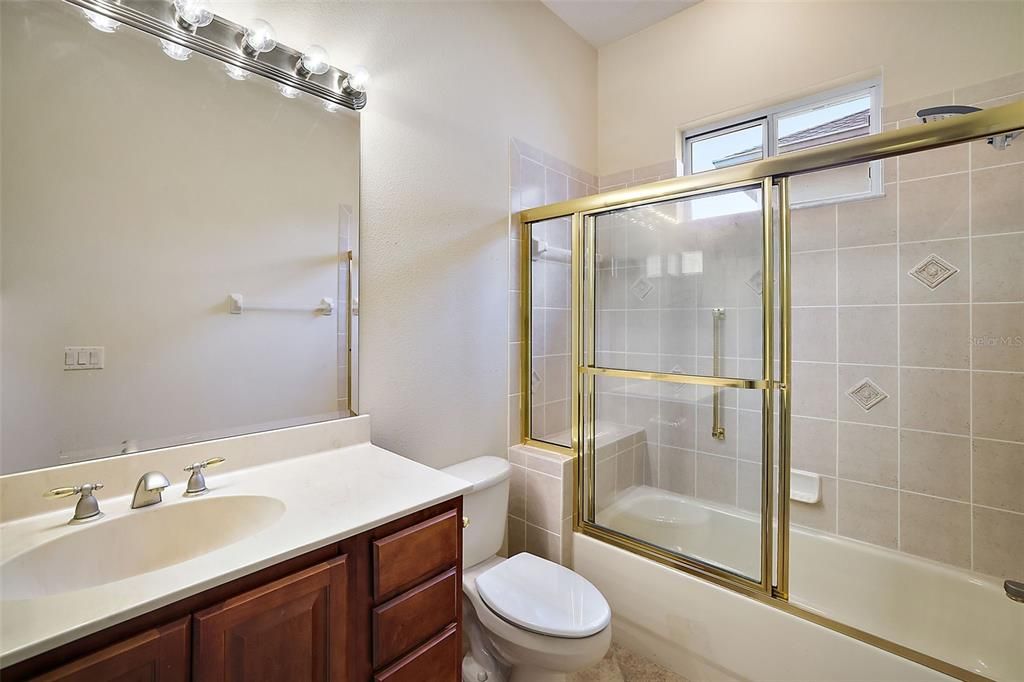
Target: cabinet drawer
{"x": 436, "y": 661}
{"x": 412, "y": 618}
{"x": 403, "y": 559}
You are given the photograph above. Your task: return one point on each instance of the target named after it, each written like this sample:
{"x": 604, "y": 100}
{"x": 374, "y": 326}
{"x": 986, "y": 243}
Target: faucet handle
{"x": 86, "y": 488}
{"x": 88, "y": 508}
{"x": 197, "y": 482}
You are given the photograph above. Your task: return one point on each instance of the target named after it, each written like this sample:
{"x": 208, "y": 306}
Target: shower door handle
{"x": 717, "y": 316}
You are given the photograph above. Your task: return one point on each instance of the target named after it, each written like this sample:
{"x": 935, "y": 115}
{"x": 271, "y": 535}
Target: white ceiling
{"x": 604, "y": 21}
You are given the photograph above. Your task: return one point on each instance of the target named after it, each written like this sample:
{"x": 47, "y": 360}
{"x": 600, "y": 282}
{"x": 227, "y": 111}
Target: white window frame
{"x": 769, "y": 119}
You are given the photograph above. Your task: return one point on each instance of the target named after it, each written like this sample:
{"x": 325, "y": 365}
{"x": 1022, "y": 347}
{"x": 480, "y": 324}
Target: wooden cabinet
{"x": 157, "y": 655}
{"x": 292, "y": 629}
{"x": 383, "y": 605}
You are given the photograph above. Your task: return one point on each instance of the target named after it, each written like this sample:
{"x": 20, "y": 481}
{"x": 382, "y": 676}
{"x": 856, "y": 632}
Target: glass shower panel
{"x": 549, "y": 361}
{"x": 660, "y": 476}
{"x": 680, "y": 293}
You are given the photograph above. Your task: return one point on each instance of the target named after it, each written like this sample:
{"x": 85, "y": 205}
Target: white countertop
{"x": 328, "y": 496}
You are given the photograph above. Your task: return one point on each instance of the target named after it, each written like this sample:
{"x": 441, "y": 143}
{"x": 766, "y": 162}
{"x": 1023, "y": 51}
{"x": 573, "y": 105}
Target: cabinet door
{"x": 292, "y": 629}
{"x": 436, "y": 661}
{"x": 157, "y": 655}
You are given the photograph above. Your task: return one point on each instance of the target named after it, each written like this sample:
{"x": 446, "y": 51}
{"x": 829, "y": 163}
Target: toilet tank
{"x": 486, "y": 506}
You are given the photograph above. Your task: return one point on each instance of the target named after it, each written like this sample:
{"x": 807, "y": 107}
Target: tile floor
{"x": 622, "y": 665}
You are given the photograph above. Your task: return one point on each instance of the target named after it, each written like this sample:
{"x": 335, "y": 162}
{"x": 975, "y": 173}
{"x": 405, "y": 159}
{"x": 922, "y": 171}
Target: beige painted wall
{"x": 720, "y": 56}
{"x": 452, "y": 83}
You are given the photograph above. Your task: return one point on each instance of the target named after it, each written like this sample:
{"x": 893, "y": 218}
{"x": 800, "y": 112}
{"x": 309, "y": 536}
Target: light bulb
{"x": 100, "y": 22}
{"x": 192, "y": 14}
{"x": 236, "y": 73}
{"x": 175, "y": 51}
{"x": 358, "y": 80}
{"x": 259, "y": 37}
{"x": 288, "y": 91}
{"x": 314, "y": 61}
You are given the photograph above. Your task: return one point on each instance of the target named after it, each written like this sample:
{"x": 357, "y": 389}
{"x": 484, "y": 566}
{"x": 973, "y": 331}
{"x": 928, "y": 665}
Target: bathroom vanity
{"x": 350, "y": 571}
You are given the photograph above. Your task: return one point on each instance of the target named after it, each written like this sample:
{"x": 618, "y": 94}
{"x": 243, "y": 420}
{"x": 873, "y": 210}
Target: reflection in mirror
{"x": 177, "y": 245}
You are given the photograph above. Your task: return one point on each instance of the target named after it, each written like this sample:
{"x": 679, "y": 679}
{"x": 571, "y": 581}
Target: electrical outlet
{"x": 83, "y": 357}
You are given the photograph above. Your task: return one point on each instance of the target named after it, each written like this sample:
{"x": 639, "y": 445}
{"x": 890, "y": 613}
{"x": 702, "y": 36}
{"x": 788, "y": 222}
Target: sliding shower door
{"x": 675, "y": 368}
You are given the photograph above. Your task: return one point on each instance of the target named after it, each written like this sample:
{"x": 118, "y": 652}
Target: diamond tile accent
{"x": 642, "y": 288}
{"x": 867, "y": 394}
{"x": 755, "y": 283}
{"x": 933, "y": 271}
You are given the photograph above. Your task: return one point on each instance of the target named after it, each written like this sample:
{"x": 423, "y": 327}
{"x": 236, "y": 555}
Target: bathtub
{"x": 954, "y": 615}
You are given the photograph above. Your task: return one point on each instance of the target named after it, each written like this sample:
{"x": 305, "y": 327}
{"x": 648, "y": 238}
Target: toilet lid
{"x": 544, "y": 597}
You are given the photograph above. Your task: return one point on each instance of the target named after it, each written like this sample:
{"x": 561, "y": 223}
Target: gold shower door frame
{"x": 587, "y": 371}
{"x": 770, "y": 173}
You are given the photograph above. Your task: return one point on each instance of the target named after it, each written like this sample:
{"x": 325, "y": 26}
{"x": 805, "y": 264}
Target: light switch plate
{"x": 83, "y": 357}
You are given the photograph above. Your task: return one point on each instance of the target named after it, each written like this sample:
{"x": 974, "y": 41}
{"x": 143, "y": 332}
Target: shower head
{"x": 1000, "y": 142}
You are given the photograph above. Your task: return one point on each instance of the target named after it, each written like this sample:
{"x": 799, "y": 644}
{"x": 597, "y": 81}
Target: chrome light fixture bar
{"x": 182, "y": 23}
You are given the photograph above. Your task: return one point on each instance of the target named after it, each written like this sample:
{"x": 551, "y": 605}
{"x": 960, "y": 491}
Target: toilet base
{"x": 474, "y": 672}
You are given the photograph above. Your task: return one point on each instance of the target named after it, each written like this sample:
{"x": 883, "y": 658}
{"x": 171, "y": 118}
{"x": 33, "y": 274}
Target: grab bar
{"x": 717, "y": 430}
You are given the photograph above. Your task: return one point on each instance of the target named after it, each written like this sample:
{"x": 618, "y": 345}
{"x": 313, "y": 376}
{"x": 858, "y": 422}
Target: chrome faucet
{"x": 197, "y": 482}
{"x": 148, "y": 489}
{"x": 88, "y": 507}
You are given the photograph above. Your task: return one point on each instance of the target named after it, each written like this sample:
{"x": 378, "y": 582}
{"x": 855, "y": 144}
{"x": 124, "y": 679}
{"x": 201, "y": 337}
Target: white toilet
{"x": 527, "y": 619}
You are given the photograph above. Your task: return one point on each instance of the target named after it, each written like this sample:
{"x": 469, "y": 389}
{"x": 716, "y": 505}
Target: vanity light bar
{"x": 226, "y": 41}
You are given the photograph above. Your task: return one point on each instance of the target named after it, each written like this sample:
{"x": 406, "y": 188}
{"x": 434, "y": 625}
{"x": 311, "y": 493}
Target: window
{"x": 825, "y": 118}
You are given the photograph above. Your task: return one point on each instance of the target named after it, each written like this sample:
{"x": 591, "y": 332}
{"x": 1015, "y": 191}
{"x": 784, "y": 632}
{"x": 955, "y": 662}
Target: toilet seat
{"x": 543, "y": 597}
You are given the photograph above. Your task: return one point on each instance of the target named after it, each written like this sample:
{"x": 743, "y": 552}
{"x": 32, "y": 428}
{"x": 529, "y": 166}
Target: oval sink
{"x": 137, "y": 543}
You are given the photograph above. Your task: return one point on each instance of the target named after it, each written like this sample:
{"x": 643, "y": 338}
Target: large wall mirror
{"x": 177, "y": 245}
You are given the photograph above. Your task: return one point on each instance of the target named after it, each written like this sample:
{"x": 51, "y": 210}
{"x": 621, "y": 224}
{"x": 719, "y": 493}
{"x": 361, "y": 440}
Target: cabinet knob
{"x": 465, "y": 522}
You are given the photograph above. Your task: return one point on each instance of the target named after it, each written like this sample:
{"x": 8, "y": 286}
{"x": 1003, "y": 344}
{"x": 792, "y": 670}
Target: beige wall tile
{"x": 935, "y": 464}
{"x": 998, "y": 336}
{"x": 748, "y": 487}
{"x": 517, "y": 492}
{"x": 814, "y": 334}
{"x": 955, "y": 289}
{"x": 565, "y": 542}
{"x": 543, "y": 501}
{"x": 867, "y": 275}
{"x": 716, "y": 479}
{"x": 984, "y": 155}
{"x": 999, "y": 475}
{"x": 545, "y": 462}
{"x": 998, "y": 549}
{"x": 749, "y": 428}
{"x": 998, "y": 87}
{"x": 676, "y": 470}
{"x": 868, "y": 513}
{"x": 516, "y": 540}
{"x": 936, "y": 529}
{"x": 543, "y": 543}
{"x": 998, "y": 406}
{"x": 997, "y": 200}
{"x": 814, "y": 445}
{"x": 678, "y": 332}
{"x": 814, "y": 390}
{"x": 883, "y": 413}
{"x": 936, "y": 162}
{"x": 515, "y": 423}
{"x": 705, "y": 421}
{"x": 935, "y": 336}
{"x": 998, "y": 276}
{"x": 935, "y": 208}
{"x": 814, "y": 278}
{"x": 868, "y": 221}
{"x": 867, "y": 335}
{"x": 625, "y": 470}
{"x": 812, "y": 229}
{"x": 935, "y": 400}
{"x": 868, "y": 454}
{"x": 821, "y": 514}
